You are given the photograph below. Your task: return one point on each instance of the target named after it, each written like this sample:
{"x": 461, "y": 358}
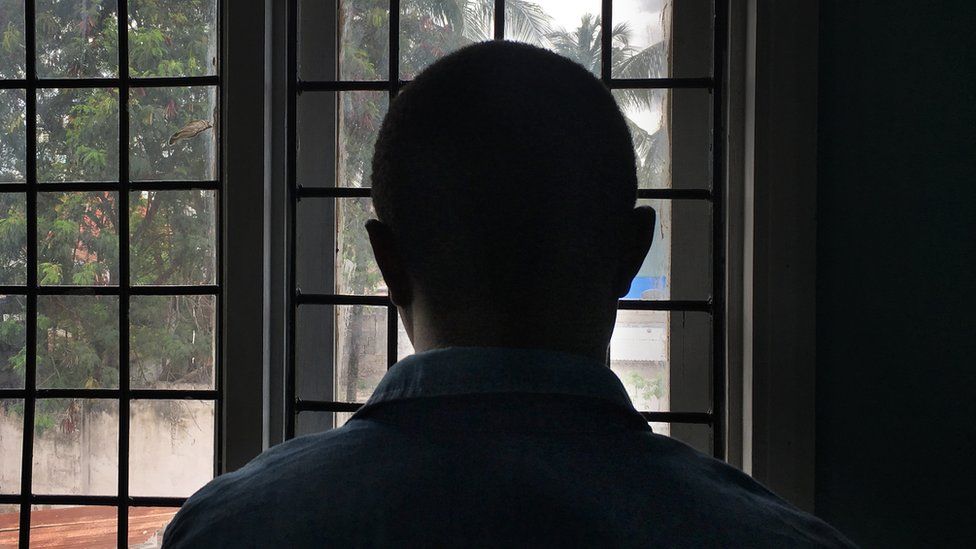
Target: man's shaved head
{"x": 504, "y": 173}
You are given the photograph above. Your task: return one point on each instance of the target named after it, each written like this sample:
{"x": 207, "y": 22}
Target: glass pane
{"x": 404, "y": 346}
{"x": 84, "y": 526}
{"x": 360, "y": 351}
{"x": 76, "y": 447}
{"x": 639, "y": 357}
{"x": 364, "y": 39}
{"x": 77, "y": 239}
{"x": 13, "y": 341}
{"x": 341, "y": 351}
{"x": 363, "y": 27}
{"x": 678, "y": 265}
{"x": 356, "y": 269}
{"x": 173, "y": 237}
{"x": 334, "y": 230}
{"x": 13, "y": 54}
{"x": 316, "y": 127}
{"x": 659, "y": 38}
{"x": 9, "y": 524}
{"x": 147, "y": 524}
{"x": 318, "y": 24}
{"x": 663, "y": 359}
{"x": 697, "y": 436}
{"x": 646, "y": 114}
{"x": 320, "y": 162}
{"x": 307, "y": 423}
{"x": 77, "y": 39}
{"x": 570, "y": 28}
{"x": 431, "y": 30}
{"x": 172, "y": 133}
{"x": 172, "y": 341}
{"x": 359, "y": 124}
{"x": 13, "y": 129}
{"x": 642, "y": 30}
{"x": 316, "y": 246}
{"x": 314, "y": 352}
{"x": 78, "y": 134}
{"x": 12, "y": 440}
{"x": 77, "y": 341}
{"x": 172, "y": 37}
{"x": 13, "y": 238}
{"x": 171, "y": 447}
{"x": 671, "y": 131}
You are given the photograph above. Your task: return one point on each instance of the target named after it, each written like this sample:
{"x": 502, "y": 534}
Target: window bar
{"x": 606, "y": 33}
{"x": 659, "y": 83}
{"x": 499, "y": 20}
{"x": 97, "y": 186}
{"x": 291, "y": 143}
{"x": 123, "y": 223}
{"x": 391, "y": 311}
{"x": 30, "y": 377}
{"x": 218, "y": 445}
{"x": 142, "y": 394}
{"x": 364, "y": 192}
{"x": 79, "y": 83}
{"x": 718, "y": 231}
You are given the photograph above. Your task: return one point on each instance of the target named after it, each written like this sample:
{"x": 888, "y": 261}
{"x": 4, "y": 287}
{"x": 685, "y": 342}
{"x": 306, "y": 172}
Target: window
{"x": 347, "y": 60}
{"x": 110, "y": 269}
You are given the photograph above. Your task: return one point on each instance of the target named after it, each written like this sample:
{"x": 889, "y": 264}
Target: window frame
{"x": 717, "y": 417}
{"x": 775, "y": 154}
{"x": 31, "y": 83}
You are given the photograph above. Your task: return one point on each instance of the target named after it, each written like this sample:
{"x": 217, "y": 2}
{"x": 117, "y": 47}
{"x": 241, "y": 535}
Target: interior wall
{"x": 896, "y": 315}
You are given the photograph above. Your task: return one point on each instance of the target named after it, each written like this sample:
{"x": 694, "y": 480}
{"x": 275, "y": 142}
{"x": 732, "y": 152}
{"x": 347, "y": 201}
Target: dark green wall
{"x": 896, "y": 314}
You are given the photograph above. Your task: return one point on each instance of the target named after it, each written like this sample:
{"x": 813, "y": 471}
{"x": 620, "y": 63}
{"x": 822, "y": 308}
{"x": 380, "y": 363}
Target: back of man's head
{"x": 503, "y": 172}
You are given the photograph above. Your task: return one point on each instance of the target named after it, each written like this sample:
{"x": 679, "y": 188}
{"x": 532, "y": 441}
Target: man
{"x": 504, "y": 185}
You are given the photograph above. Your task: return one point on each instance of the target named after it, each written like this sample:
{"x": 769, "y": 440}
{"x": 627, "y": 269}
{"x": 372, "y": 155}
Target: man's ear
{"x": 390, "y": 262}
{"x": 636, "y": 236}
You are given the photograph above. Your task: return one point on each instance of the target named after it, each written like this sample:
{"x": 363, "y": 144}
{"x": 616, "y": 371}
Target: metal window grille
{"x": 713, "y": 196}
{"x": 31, "y": 84}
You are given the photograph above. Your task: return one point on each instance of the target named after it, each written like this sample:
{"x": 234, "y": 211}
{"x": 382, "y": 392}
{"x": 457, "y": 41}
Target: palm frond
{"x": 478, "y": 19}
{"x": 650, "y": 62}
{"x": 527, "y": 21}
{"x": 652, "y": 152}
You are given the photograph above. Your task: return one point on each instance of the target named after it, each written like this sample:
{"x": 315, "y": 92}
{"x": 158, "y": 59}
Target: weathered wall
{"x": 171, "y": 450}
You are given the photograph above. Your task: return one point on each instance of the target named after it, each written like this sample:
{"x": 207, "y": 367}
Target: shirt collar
{"x": 490, "y": 370}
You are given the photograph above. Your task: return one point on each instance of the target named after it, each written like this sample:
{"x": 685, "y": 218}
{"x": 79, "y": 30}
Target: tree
{"x": 172, "y": 233}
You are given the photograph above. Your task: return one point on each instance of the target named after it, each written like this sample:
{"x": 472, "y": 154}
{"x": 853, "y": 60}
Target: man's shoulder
{"x": 243, "y": 506}
{"x": 734, "y": 504}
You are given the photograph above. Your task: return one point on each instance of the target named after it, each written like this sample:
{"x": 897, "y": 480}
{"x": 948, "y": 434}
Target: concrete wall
{"x": 171, "y": 449}
{"x": 896, "y": 335}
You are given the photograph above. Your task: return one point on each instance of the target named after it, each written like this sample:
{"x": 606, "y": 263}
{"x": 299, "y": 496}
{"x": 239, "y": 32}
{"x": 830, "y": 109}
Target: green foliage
{"x": 42, "y": 423}
{"x": 172, "y": 234}
{"x": 643, "y": 389}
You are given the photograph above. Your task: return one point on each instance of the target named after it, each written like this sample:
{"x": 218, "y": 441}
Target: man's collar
{"x": 490, "y": 370}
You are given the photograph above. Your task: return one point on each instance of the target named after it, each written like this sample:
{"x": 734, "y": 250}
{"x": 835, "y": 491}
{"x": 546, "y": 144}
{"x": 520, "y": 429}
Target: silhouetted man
{"x": 504, "y": 185}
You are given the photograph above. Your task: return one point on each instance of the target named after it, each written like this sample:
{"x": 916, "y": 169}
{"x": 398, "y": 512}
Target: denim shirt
{"x": 492, "y": 447}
